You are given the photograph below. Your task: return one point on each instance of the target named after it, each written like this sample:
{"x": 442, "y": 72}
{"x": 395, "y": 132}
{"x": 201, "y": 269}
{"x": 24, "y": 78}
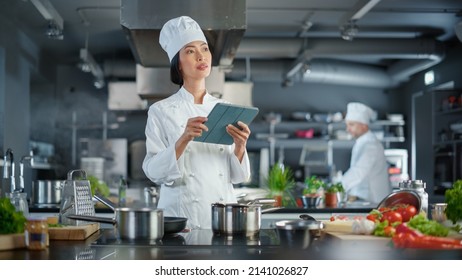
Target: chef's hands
{"x": 240, "y": 136}
{"x": 194, "y": 128}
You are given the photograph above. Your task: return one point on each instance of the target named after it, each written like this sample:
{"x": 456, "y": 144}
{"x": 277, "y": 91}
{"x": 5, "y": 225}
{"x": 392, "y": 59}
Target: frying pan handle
{"x": 92, "y": 219}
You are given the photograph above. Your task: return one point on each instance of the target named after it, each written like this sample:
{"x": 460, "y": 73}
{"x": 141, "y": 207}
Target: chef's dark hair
{"x": 175, "y": 74}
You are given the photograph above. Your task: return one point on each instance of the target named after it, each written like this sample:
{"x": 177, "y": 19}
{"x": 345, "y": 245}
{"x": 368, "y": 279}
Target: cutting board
{"x": 73, "y": 232}
{"x": 341, "y": 233}
{"x": 12, "y": 241}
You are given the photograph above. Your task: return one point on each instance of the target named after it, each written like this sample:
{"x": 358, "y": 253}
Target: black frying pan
{"x": 174, "y": 224}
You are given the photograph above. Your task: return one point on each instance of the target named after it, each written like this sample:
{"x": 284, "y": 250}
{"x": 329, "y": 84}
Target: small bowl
{"x": 298, "y": 234}
{"x": 311, "y": 201}
{"x": 402, "y": 197}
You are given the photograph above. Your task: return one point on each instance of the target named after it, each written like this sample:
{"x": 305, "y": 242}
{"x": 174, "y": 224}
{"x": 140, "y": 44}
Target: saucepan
{"x": 299, "y": 234}
{"x": 131, "y": 222}
{"x": 239, "y": 218}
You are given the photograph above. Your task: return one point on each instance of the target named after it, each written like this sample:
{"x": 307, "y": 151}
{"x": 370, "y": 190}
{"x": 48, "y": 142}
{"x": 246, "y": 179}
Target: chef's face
{"x": 195, "y": 61}
{"x": 356, "y": 129}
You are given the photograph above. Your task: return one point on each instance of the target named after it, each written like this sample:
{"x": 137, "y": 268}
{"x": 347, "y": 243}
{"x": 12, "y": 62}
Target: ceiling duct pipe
{"x": 321, "y": 71}
{"x": 419, "y": 54}
{"x": 223, "y": 22}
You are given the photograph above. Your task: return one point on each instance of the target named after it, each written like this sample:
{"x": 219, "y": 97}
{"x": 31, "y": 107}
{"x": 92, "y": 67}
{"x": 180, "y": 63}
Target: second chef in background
{"x": 192, "y": 175}
{"x": 367, "y": 177}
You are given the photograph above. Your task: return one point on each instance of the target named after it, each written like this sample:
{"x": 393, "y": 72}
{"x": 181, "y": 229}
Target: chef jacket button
{"x": 196, "y": 200}
{"x": 222, "y": 149}
{"x": 221, "y": 199}
{"x": 191, "y": 175}
{"x": 220, "y": 174}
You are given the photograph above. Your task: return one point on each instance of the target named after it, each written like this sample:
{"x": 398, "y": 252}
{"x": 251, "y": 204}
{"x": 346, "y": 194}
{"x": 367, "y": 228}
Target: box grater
{"x": 76, "y": 198}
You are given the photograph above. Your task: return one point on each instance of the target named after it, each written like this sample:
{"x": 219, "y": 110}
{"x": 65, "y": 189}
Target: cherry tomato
{"x": 372, "y": 217}
{"x": 409, "y": 212}
{"x": 392, "y": 217}
{"x": 389, "y": 231}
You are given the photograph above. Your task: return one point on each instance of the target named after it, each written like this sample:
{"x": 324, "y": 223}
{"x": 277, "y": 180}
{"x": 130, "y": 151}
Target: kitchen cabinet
{"x": 447, "y": 138}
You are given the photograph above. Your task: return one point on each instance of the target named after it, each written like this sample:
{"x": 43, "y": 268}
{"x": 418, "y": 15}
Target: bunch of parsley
{"x": 11, "y": 221}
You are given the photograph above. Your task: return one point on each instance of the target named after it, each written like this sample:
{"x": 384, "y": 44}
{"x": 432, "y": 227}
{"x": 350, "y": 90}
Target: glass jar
{"x": 19, "y": 200}
{"x": 417, "y": 186}
{"x": 36, "y": 234}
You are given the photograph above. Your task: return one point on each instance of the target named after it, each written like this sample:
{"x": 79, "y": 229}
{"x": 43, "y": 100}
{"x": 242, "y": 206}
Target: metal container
{"x": 131, "y": 223}
{"x": 236, "y": 218}
{"x": 47, "y": 191}
{"x": 298, "y": 234}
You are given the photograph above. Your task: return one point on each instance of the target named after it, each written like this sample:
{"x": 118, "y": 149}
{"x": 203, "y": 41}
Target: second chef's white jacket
{"x": 367, "y": 177}
{"x": 204, "y": 174}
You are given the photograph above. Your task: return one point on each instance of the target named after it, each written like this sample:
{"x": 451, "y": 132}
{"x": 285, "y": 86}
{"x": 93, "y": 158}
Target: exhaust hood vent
{"x": 223, "y": 22}
{"x": 154, "y": 84}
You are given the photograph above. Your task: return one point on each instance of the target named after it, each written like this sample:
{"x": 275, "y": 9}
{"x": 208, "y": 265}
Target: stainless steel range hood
{"x": 223, "y": 22}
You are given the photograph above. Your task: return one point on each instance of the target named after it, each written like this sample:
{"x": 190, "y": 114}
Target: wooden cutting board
{"x": 73, "y": 232}
{"x": 12, "y": 241}
{"x": 341, "y": 232}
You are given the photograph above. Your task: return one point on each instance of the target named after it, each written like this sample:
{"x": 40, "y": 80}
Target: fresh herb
{"x": 280, "y": 182}
{"x": 313, "y": 184}
{"x": 426, "y": 226}
{"x": 11, "y": 221}
{"x": 335, "y": 188}
{"x": 453, "y": 198}
{"x": 98, "y": 187}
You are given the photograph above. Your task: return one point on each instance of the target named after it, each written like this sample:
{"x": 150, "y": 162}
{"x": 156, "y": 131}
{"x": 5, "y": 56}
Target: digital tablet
{"x": 222, "y": 115}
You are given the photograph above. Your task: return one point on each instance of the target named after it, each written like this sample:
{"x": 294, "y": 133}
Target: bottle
{"x": 122, "y": 191}
{"x": 417, "y": 186}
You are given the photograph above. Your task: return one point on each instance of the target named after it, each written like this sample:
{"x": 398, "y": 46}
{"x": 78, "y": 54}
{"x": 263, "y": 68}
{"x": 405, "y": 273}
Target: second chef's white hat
{"x": 178, "y": 32}
{"x": 359, "y": 112}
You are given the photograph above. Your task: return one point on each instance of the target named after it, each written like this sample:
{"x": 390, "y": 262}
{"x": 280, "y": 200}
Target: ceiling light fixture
{"x": 89, "y": 64}
{"x": 348, "y": 27}
{"x": 349, "y": 31}
{"x": 55, "y": 21}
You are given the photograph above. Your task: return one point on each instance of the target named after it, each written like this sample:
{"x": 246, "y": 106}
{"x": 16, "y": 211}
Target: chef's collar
{"x": 190, "y": 97}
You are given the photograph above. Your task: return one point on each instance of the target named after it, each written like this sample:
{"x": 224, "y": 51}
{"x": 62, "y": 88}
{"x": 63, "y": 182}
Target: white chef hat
{"x": 178, "y": 32}
{"x": 359, "y": 112}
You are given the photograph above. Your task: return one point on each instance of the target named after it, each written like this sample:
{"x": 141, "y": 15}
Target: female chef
{"x": 367, "y": 177}
{"x": 192, "y": 175}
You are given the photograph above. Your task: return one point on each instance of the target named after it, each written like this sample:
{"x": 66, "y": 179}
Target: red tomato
{"x": 392, "y": 217}
{"x": 409, "y": 212}
{"x": 372, "y": 217}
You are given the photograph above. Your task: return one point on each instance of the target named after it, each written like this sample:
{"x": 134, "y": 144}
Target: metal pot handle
{"x": 269, "y": 210}
{"x": 262, "y": 201}
{"x": 92, "y": 219}
{"x": 105, "y": 201}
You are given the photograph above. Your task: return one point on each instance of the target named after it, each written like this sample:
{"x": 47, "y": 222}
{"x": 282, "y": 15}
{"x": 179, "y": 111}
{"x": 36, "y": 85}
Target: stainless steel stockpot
{"x": 237, "y": 218}
{"x": 131, "y": 222}
{"x": 47, "y": 191}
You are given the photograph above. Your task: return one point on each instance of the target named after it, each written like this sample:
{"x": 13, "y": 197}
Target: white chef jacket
{"x": 204, "y": 174}
{"x": 367, "y": 177}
